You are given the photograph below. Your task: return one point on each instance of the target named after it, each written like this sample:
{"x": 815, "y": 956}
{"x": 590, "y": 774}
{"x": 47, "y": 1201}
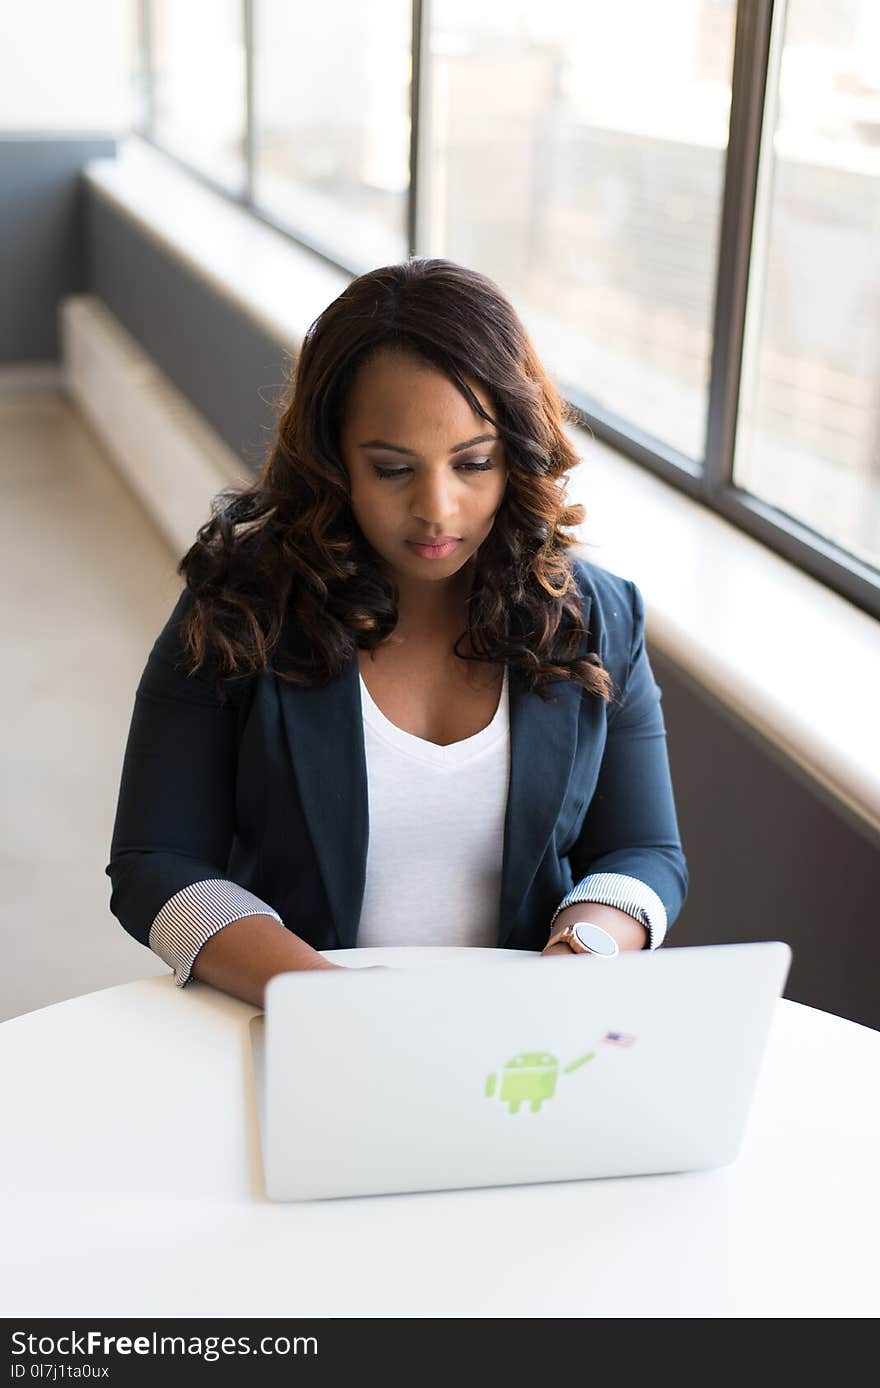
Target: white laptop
{"x": 442, "y": 1073}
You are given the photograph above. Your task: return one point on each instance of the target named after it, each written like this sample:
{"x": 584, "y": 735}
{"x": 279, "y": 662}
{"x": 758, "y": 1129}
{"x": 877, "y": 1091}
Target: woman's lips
{"x": 438, "y": 551}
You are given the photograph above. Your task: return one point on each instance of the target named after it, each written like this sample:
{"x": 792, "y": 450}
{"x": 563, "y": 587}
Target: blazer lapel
{"x": 543, "y": 740}
{"x": 325, "y": 740}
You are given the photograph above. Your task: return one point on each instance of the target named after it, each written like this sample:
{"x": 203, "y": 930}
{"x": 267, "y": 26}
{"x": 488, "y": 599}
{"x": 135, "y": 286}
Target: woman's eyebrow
{"x": 395, "y": 448}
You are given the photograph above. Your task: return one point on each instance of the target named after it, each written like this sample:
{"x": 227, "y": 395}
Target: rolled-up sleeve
{"x": 196, "y": 913}
{"x": 628, "y": 853}
{"x": 628, "y": 894}
{"x": 175, "y": 815}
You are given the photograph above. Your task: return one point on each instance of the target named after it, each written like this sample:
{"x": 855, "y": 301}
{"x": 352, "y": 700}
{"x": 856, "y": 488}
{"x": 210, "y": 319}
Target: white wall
{"x": 66, "y": 66}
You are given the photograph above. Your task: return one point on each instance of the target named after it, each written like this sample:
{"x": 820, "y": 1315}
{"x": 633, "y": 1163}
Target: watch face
{"x": 595, "y": 939}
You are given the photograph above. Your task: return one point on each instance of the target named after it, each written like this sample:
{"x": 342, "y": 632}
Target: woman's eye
{"x": 389, "y": 472}
{"x": 481, "y": 466}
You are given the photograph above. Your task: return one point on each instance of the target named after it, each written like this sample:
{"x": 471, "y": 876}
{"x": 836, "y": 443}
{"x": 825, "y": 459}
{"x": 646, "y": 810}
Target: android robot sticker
{"x": 530, "y": 1077}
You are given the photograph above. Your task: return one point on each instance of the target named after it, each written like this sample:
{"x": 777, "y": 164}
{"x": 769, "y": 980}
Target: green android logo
{"x": 530, "y": 1077}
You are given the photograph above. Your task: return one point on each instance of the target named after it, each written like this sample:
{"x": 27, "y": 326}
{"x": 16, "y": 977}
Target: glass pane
{"x": 199, "y": 85}
{"x": 809, "y": 429}
{"x": 577, "y": 157}
{"x": 332, "y": 123}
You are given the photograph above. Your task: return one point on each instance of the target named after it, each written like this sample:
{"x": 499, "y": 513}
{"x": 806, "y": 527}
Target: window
{"x": 681, "y": 199}
{"x": 332, "y": 123}
{"x": 809, "y": 425}
{"x": 583, "y": 171}
{"x": 197, "y": 55}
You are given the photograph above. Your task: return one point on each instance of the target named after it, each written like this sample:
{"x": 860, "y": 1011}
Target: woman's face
{"x": 416, "y": 471}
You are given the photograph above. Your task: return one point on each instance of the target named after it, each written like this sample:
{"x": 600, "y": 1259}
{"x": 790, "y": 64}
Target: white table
{"x": 131, "y": 1185}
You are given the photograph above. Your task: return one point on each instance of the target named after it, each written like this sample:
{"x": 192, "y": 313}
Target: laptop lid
{"x": 550, "y": 1069}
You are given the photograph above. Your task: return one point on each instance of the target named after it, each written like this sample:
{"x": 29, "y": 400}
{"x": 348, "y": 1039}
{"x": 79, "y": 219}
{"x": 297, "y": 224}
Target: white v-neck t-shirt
{"x": 436, "y": 832}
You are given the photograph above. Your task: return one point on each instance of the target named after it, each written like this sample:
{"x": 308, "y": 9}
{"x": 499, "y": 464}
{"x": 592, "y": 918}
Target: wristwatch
{"x": 582, "y": 937}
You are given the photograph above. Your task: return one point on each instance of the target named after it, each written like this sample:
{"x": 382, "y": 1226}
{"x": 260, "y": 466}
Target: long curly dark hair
{"x": 286, "y": 553}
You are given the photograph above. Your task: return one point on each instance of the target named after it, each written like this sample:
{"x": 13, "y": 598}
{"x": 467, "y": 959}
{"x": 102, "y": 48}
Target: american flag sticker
{"x": 618, "y": 1038}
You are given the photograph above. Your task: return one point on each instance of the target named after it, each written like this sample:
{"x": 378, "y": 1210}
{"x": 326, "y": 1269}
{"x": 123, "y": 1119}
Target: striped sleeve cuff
{"x": 190, "y": 917}
{"x": 628, "y": 894}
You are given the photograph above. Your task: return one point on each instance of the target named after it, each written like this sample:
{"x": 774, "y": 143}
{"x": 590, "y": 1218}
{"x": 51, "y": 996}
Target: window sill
{"x": 746, "y": 627}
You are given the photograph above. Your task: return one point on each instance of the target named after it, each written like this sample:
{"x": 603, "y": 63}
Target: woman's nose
{"x": 434, "y": 501}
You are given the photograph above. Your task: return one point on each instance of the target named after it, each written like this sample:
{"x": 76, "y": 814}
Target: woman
{"x": 389, "y": 707}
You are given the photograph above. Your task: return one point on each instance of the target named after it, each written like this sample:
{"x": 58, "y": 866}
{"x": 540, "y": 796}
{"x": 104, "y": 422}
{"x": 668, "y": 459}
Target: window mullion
{"x": 420, "y": 20}
{"x": 147, "y": 74}
{"x": 249, "y": 131}
{"x": 748, "y": 89}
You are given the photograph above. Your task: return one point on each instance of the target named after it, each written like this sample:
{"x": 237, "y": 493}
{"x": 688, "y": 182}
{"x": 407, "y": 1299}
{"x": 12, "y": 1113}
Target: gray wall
{"x": 217, "y": 355}
{"x": 41, "y": 238}
{"x": 770, "y": 857}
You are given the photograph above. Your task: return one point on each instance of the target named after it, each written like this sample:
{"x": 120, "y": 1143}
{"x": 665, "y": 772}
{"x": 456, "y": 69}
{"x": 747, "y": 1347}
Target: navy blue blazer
{"x": 269, "y": 790}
